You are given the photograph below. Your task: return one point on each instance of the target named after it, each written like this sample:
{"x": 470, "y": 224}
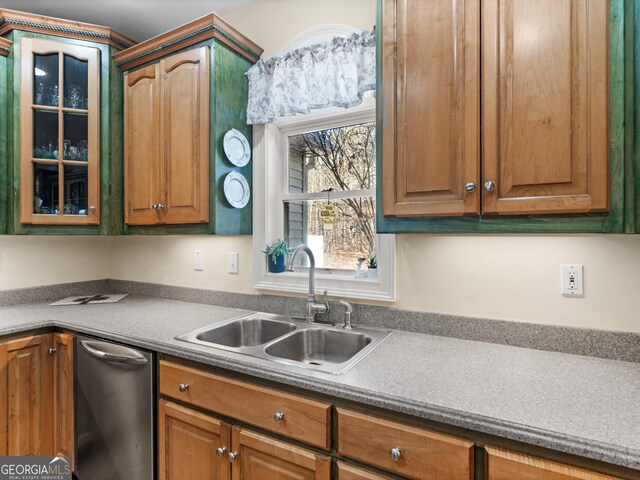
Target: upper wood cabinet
{"x": 545, "y": 106}
{"x": 184, "y": 90}
{"x": 59, "y": 133}
{"x": 60, "y": 130}
{"x": 167, "y": 141}
{"x": 496, "y": 108}
{"x": 431, "y": 101}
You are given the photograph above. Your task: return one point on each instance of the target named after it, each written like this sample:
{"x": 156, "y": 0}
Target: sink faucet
{"x": 313, "y": 308}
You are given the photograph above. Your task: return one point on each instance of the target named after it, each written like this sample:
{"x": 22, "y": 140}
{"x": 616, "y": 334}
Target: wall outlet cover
{"x": 572, "y": 280}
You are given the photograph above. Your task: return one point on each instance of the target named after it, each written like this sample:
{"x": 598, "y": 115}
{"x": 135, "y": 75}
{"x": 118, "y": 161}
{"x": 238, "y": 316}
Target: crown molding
{"x": 5, "y": 46}
{"x": 31, "y": 22}
{"x": 204, "y": 28}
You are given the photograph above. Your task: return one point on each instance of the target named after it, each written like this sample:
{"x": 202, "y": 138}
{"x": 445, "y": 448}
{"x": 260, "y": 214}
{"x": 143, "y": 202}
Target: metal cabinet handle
{"x": 470, "y": 187}
{"x": 52, "y": 351}
{"x": 233, "y": 456}
{"x": 395, "y": 454}
{"x": 278, "y": 417}
{"x": 92, "y": 208}
{"x": 154, "y": 206}
{"x": 221, "y": 451}
{"x": 183, "y": 387}
{"x": 160, "y": 206}
{"x": 490, "y": 186}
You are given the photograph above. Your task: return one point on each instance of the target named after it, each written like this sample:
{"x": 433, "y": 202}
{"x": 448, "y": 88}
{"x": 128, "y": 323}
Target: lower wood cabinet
{"x": 193, "y": 445}
{"x": 403, "y": 449}
{"x": 506, "y": 465}
{"x": 188, "y": 442}
{"x": 351, "y": 472}
{"x": 36, "y": 395}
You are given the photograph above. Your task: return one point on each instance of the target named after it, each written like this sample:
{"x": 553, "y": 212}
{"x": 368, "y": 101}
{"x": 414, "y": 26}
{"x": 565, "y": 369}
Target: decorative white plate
{"x": 236, "y": 189}
{"x": 236, "y": 147}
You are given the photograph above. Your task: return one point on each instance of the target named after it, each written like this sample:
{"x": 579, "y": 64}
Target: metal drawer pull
{"x": 278, "y": 417}
{"x": 233, "y": 456}
{"x": 183, "y": 387}
{"x": 395, "y": 454}
{"x": 52, "y": 351}
{"x": 221, "y": 451}
{"x": 490, "y": 186}
{"x": 470, "y": 187}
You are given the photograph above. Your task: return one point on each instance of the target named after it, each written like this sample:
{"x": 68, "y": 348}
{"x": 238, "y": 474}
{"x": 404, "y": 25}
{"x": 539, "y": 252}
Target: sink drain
{"x": 314, "y": 363}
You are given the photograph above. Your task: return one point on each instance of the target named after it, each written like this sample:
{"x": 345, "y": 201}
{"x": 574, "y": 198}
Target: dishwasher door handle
{"x": 117, "y": 353}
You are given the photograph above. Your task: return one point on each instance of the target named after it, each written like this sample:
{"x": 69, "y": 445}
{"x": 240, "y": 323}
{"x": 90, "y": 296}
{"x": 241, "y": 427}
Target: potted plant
{"x": 277, "y": 255}
{"x": 372, "y": 266}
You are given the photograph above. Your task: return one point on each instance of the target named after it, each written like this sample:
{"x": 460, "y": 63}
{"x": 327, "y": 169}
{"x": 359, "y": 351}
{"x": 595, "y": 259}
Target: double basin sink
{"x": 325, "y": 348}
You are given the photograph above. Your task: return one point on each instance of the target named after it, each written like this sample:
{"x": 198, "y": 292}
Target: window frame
{"x": 270, "y": 188}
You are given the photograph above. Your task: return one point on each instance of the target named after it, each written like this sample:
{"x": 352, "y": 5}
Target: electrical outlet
{"x": 232, "y": 262}
{"x": 572, "y": 280}
{"x": 198, "y": 263}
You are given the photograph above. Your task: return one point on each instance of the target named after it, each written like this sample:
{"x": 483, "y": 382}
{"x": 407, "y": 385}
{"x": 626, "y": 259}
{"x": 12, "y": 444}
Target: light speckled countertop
{"x": 574, "y": 404}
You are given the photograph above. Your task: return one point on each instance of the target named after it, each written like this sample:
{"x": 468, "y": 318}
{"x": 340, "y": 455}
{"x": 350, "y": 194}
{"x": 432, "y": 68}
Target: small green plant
{"x": 372, "y": 262}
{"x": 277, "y": 249}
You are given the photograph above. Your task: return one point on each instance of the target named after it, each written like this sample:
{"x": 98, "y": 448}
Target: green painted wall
{"x": 621, "y": 159}
{"x": 110, "y": 148}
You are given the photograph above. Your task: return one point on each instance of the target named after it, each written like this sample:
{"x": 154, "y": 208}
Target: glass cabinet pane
{"x": 45, "y": 189}
{"x": 75, "y": 137}
{"x": 45, "y": 79}
{"x": 45, "y": 134}
{"x": 76, "y": 81}
{"x": 75, "y": 190}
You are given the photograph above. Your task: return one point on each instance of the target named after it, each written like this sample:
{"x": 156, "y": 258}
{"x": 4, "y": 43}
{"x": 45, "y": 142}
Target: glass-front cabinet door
{"x": 59, "y": 133}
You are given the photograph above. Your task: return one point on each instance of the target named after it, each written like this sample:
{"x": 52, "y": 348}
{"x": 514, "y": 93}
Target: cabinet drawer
{"x": 506, "y": 465}
{"x": 422, "y": 453}
{"x": 303, "y": 419}
{"x": 349, "y": 472}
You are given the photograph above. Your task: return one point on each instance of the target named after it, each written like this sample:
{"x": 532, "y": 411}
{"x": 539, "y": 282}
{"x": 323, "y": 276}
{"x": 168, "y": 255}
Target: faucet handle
{"x": 326, "y": 301}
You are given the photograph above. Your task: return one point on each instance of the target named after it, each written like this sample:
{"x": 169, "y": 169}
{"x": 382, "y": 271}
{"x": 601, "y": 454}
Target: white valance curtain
{"x": 330, "y": 74}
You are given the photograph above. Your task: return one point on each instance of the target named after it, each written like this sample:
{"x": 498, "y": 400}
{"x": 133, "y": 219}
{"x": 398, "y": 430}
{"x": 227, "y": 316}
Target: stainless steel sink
{"x": 241, "y": 333}
{"x": 318, "y": 346}
{"x": 312, "y": 346}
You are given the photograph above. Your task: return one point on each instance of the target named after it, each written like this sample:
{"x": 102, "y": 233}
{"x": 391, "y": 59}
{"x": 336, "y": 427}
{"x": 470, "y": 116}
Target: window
{"x": 303, "y": 163}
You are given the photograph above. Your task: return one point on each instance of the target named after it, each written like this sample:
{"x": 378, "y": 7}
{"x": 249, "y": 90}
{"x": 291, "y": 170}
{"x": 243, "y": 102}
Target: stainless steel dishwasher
{"x": 114, "y": 411}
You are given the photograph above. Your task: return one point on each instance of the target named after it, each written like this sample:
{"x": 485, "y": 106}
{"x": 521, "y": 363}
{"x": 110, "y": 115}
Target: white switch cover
{"x": 572, "y": 280}
{"x": 198, "y": 263}
{"x": 232, "y": 262}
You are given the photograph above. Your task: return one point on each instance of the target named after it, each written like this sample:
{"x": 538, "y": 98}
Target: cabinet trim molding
{"x": 30, "y": 22}
{"x": 204, "y": 28}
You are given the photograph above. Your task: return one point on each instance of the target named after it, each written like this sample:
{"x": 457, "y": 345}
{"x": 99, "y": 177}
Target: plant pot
{"x": 278, "y": 266}
{"x": 372, "y": 273}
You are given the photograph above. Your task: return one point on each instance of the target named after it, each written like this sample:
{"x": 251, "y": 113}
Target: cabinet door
{"x": 505, "y": 465}
{"x": 185, "y": 133}
{"x": 62, "y": 395}
{"x": 143, "y": 166}
{"x": 59, "y": 133}
{"x": 188, "y": 443}
{"x": 23, "y": 427}
{"x": 258, "y": 457}
{"x": 430, "y": 107}
{"x": 545, "y": 106}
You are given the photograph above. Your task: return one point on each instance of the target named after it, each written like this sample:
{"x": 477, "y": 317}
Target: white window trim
{"x": 270, "y": 173}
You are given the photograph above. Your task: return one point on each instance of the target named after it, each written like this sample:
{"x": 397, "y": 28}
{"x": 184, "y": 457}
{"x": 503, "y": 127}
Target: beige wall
{"x": 505, "y": 277}
{"x": 272, "y": 23}
{"x": 29, "y": 261}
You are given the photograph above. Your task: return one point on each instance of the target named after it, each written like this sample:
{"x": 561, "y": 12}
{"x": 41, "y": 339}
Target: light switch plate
{"x": 198, "y": 264}
{"x": 232, "y": 262}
